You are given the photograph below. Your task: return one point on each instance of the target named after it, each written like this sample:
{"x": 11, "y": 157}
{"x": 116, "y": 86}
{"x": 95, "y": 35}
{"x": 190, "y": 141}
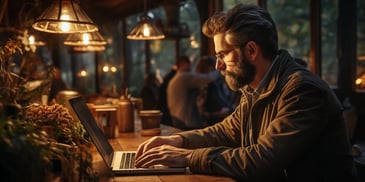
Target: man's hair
{"x": 182, "y": 60}
{"x": 204, "y": 64}
{"x": 245, "y": 23}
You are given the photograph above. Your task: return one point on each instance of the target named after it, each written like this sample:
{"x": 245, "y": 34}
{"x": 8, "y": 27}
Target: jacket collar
{"x": 280, "y": 70}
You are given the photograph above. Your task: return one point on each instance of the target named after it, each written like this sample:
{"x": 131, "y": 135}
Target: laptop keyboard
{"x": 128, "y": 160}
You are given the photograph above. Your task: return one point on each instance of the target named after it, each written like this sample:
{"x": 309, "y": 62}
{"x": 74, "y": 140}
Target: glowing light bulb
{"x": 83, "y": 73}
{"x": 358, "y": 81}
{"x": 65, "y": 26}
{"x": 105, "y": 68}
{"x": 146, "y": 31}
{"x": 31, "y": 40}
{"x": 85, "y": 38}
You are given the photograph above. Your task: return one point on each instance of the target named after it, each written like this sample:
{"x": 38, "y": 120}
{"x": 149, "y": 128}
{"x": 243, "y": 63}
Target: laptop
{"x": 119, "y": 162}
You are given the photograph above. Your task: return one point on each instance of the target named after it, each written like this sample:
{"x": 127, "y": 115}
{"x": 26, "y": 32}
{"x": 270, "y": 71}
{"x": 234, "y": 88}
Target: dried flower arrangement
{"x": 51, "y": 137}
{"x": 37, "y": 142}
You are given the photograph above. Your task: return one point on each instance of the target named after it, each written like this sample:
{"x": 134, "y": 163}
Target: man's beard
{"x": 242, "y": 75}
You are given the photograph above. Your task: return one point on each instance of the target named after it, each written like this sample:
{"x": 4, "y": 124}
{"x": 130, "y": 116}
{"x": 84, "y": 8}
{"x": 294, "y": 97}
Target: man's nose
{"x": 220, "y": 65}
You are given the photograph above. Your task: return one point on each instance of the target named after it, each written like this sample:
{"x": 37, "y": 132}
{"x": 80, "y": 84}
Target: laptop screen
{"x": 80, "y": 108}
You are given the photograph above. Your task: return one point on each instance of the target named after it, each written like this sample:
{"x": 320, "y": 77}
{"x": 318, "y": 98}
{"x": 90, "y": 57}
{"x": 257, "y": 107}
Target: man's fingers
{"x": 148, "y": 158}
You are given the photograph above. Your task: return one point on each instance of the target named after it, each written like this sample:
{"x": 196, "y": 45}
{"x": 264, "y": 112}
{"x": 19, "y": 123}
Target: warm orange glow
{"x": 360, "y": 81}
{"x": 82, "y": 73}
{"x": 113, "y": 69}
{"x": 361, "y": 58}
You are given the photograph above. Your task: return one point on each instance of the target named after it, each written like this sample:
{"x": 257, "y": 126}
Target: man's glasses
{"x": 220, "y": 55}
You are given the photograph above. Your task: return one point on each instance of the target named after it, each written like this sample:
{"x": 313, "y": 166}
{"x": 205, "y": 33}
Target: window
{"x": 228, "y": 4}
{"x": 360, "y": 66}
{"x": 138, "y": 51}
{"x": 293, "y": 30}
{"x": 161, "y": 53}
{"x": 190, "y": 46}
{"x": 329, "y": 41}
{"x": 84, "y": 71}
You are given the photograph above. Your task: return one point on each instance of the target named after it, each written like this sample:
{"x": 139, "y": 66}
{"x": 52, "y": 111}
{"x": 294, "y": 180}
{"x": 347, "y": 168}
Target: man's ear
{"x": 251, "y": 50}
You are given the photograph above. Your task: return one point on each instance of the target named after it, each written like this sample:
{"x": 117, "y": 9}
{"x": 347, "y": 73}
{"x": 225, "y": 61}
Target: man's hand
{"x": 164, "y": 155}
{"x": 173, "y": 140}
{"x": 165, "y": 150}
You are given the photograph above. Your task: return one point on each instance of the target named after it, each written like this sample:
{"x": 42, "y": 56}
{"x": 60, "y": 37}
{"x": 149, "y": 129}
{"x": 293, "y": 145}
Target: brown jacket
{"x": 297, "y": 133}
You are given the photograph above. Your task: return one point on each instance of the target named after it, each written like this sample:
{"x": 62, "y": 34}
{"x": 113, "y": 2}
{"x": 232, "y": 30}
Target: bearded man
{"x": 288, "y": 125}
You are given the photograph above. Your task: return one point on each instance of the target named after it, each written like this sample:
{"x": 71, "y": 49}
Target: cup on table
{"x": 150, "y": 122}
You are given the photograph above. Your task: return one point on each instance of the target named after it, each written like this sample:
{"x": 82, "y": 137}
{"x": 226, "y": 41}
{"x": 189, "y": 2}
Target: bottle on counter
{"x": 126, "y": 113}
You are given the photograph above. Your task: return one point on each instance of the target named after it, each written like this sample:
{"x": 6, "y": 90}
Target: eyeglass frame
{"x": 222, "y": 54}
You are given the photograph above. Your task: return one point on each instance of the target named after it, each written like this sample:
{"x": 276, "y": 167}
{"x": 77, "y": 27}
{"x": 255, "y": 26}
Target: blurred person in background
{"x": 213, "y": 102}
{"x": 166, "y": 118}
{"x": 150, "y": 92}
{"x": 182, "y": 92}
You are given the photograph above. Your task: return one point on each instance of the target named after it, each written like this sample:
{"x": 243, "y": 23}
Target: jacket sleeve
{"x": 291, "y": 132}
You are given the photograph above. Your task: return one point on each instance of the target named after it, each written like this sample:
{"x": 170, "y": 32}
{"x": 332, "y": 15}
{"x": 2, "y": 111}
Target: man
{"x": 182, "y": 92}
{"x": 287, "y": 127}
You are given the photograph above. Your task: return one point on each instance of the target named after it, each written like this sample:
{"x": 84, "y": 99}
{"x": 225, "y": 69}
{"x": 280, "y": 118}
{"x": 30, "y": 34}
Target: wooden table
{"x": 130, "y": 141}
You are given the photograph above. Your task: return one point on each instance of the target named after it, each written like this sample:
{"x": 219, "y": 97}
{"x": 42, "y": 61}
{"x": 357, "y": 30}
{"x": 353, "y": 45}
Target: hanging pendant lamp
{"x": 84, "y": 39}
{"x": 145, "y": 29}
{"x": 64, "y": 16}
